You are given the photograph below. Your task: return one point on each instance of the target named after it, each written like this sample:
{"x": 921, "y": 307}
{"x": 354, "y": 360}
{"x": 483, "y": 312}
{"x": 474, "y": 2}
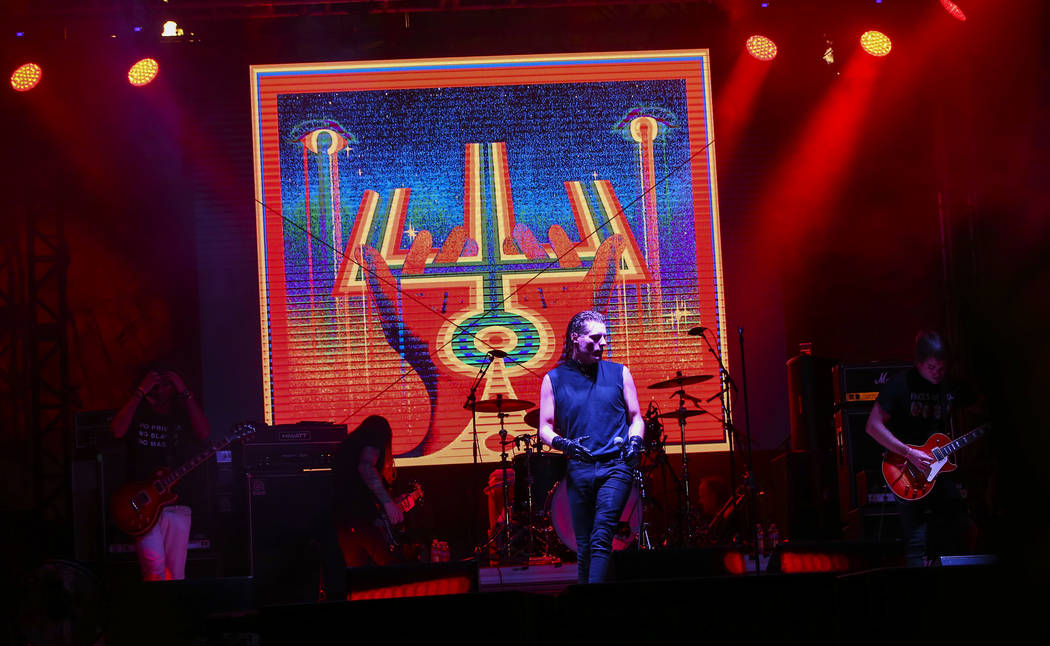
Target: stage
{"x": 538, "y": 604}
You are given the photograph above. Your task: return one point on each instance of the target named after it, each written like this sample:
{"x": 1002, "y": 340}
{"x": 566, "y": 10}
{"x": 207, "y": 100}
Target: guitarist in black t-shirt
{"x": 912, "y": 406}
{"x": 163, "y": 425}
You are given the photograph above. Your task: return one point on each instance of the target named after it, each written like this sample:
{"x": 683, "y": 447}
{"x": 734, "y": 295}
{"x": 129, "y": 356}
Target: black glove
{"x": 573, "y": 448}
{"x": 632, "y": 451}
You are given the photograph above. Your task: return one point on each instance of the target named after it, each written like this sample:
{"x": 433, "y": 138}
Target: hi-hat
{"x": 501, "y": 405}
{"x": 681, "y": 380}
{"x": 681, "y": 414}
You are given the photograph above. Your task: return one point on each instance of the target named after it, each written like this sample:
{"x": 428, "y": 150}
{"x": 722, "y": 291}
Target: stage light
{"x": 142, "y": 72}
{"x": 953, "y": 10}
{"x": 171, "y": 29}
{"x": 26, "y": 77}
{"x": 876, "y": 43}
{"x": 761, "y": 48}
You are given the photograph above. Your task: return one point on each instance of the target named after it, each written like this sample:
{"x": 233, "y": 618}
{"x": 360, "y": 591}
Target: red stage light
{"x": 876, "y": 43}
{"x": 142, "y": 72}
{"x": 953, "y": 10}
{"x": 26, "y": 77}
{"x": 762, "y": 48}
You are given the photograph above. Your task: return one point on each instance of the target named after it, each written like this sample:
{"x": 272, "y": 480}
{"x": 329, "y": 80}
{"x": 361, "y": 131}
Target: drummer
{"x": 594, "y": 404}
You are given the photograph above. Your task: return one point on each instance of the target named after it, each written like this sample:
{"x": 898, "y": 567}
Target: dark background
{"x": 938, "y": 217}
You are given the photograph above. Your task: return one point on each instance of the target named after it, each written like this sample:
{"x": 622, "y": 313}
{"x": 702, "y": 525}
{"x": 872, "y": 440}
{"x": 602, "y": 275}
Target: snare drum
{"x": 561, "y": 517}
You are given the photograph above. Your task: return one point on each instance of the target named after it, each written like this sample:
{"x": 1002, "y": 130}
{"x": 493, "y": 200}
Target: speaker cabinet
{"x": 811, "y": 396}
{"x": 294, "y": 550}
{"x": 803, "y": 495}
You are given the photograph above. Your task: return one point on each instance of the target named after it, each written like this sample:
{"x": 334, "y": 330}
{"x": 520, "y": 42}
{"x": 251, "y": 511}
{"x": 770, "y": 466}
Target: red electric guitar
{"x": 136, "y": 506}
{"x": 907, "y": 482}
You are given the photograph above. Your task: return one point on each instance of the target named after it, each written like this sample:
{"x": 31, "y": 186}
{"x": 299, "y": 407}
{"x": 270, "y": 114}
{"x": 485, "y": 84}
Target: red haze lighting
{"x": 762, "y": 48}
{"x": 26, "y": 77}
{"x": 953, "y": 10}
{"x": 142, "y": 72}
{"x": 876, "y": 43}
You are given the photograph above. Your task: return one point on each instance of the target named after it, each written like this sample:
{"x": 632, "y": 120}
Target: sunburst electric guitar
{"x": 136, "y": 506}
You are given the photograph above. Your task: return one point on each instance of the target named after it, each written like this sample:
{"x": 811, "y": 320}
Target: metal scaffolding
{"x": 35, "y": 394}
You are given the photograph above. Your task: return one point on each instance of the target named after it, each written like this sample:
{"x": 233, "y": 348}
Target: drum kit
{"x": 530, "y": 533}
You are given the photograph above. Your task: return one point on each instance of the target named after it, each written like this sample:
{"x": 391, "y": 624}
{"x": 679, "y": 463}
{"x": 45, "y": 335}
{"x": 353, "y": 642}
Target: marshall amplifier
{"x": 293, "y": 448}
{"x": 858, "y": 456}
{"x": 858, "y": 384}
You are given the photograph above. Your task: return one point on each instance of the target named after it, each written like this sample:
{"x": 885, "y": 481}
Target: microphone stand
{"x": 749, "y": 476}
{"x": 471, "y": 405}
{"x": 728, "y": 386}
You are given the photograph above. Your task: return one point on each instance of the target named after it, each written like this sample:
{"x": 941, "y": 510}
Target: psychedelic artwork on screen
{"x": 413, "y": 215}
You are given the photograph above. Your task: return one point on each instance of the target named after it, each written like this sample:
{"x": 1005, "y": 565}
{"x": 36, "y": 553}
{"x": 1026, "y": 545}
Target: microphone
{"x": 497, "y": 354}
{"x": 697, "y": 331}
{"x": 716, "y": 396}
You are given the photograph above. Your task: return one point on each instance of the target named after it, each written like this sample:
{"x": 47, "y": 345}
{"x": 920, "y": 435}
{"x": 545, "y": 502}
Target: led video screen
{"x": 415, "y": 215}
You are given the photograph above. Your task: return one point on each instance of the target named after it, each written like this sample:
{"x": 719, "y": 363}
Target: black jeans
{"x": 936, "y": 524}
{"x": 597, "y": 494}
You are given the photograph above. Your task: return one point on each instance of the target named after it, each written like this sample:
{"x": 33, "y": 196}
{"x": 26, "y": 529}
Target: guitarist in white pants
{"x": 912, "y": 406}
{"x": 163, "y": 424}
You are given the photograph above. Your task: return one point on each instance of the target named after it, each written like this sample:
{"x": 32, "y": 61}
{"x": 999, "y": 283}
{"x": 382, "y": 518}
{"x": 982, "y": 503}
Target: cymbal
{"x": 502, "y": 405}
{"x": 680, "y": 380}
{"x": 532, "y": 418}
{"x": 681, "y": 414}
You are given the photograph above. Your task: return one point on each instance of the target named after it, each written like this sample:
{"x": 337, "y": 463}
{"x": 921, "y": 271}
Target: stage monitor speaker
{"x": 835, "y": 556}
{"x": 412, "y": 580}
{"x": 294, "y": 551}
{"x": 640, "y": 565}
{"x": 810, "y": 396}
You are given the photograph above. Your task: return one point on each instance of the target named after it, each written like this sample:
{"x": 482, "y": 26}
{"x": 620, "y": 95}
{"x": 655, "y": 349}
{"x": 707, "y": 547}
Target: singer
{"x": 594, "y": 404}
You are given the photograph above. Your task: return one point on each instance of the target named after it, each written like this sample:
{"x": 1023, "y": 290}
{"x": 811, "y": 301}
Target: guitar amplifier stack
{"x": 293, "y": 549}
{"x": 863, "y": 496}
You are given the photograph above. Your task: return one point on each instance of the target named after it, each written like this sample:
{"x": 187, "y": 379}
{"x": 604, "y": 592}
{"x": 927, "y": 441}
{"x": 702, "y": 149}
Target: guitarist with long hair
{"x": 163, "y": 424}
{"x": 364, "y": 468}
{"x": 911, "y": 407}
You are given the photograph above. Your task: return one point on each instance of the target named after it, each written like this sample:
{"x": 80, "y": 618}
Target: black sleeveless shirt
{"x": 588, "y": 401}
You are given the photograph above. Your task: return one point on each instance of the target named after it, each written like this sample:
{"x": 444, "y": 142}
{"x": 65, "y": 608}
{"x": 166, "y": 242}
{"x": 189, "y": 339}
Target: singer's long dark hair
{"x": 576, "y": 325}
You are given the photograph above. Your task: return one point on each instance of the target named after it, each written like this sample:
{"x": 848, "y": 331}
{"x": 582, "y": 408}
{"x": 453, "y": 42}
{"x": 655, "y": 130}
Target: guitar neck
{"x": 953, "y": 446}
{"x": 179, "y": 473}
{"x": 407, "y": 501}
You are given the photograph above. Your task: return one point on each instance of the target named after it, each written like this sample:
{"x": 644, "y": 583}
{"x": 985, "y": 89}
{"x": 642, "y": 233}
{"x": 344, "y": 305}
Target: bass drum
{"x": 560, "y": 513}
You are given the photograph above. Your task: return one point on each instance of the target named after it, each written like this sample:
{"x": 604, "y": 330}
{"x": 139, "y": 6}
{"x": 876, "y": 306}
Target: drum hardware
{"x": 502, "y": 407}
{"x": 680, "y": 380}
{"x": 644, "y": 543}
{"x": 681, "y": 413}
